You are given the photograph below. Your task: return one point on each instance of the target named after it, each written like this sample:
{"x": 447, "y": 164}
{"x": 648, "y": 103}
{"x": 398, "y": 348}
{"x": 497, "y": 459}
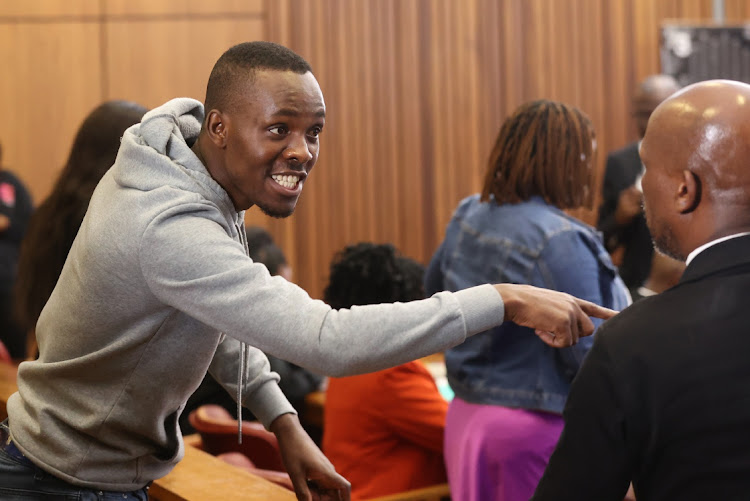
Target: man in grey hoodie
{"x": 158, "y": 289}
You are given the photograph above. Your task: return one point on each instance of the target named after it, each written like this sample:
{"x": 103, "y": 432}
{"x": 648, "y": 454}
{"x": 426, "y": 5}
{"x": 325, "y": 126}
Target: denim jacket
{"x": 531, "y": 243}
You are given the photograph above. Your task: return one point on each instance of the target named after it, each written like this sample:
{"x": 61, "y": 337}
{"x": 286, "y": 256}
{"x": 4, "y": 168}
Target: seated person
{"x": 15, "y": 210}
{"x": 382, "y": 431}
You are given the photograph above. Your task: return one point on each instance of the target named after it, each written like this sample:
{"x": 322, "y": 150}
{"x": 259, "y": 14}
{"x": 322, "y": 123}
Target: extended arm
{"x": 191, "y": 264}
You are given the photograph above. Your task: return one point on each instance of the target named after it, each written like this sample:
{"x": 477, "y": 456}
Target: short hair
{"x": 368, "y": 273}
{"x": 544, "y": 148}
{"x": 239, "y": 64}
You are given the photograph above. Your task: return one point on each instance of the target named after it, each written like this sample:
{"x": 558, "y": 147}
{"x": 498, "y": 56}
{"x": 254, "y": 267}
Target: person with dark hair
{"x": 258, "y": 237}
{"x": 262, "y": 249}
{"x": 16, "y": 208}
{"x": 662, "y": 399}
{"x": 621, "y": 216}
{"x": 54, "y": 225}
{"x": 158, "y": 288}
{"x": 383, "y": 431}
{"x": 509, "y": 386}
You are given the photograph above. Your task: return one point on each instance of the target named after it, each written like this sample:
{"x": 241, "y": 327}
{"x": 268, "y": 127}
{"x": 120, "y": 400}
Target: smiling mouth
{"x": 289, "y": 182}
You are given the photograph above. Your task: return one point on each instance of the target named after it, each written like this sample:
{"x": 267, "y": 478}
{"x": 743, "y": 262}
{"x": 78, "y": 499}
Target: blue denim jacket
{"x": 527, "y": 243}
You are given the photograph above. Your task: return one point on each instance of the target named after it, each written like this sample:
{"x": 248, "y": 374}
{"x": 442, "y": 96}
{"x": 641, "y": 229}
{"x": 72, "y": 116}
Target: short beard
{"x": 276, "y": 214}
{"x": 666, "y": 243}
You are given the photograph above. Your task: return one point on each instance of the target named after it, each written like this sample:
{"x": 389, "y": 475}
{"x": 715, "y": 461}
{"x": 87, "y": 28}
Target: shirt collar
{"x": 705, "y": 246}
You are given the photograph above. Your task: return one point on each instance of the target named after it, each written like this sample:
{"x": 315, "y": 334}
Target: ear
{"x": 688, "y": 192}
{"x": 216, "y": 128}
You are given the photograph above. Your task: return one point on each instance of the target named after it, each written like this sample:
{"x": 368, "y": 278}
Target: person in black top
{"x": 621, "y": 216}
{"x": 15, "y": 210}
{"x": 663, "y": 397}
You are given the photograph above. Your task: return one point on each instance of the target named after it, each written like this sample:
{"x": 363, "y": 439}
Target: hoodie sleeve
{"x": 191, "y": 262}
{"x": 260, "y": 393}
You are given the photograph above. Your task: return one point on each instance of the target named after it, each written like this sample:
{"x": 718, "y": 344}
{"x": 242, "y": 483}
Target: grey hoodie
{"x": 157, "y": 272}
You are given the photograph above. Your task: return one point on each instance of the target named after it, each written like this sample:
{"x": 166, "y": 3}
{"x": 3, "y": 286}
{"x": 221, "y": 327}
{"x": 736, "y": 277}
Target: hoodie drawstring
{"x": 243, "y": 349}
{"x": 241, "y": 372}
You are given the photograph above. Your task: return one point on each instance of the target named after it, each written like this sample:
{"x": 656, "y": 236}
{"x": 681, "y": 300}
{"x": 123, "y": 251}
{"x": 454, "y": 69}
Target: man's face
{"x": 272, "y": 141}
{"x": 658, "y": 189}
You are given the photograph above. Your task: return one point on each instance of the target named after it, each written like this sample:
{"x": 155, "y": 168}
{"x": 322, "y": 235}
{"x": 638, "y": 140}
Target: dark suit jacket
{"x": 623, "y": 168}
{"x": 663, "y": 398}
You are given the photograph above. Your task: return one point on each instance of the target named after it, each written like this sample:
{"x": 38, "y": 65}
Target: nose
{"x": 298, "y": 149}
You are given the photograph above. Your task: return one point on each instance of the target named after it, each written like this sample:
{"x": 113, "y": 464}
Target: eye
{"x": 315, "y": 131}
{"x": 279, "y": 130}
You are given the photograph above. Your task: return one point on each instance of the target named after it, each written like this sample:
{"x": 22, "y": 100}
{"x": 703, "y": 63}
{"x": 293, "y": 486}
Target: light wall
{"x": 416, "y": 90}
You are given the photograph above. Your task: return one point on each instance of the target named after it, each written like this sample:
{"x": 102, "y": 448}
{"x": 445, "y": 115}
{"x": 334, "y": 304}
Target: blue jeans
{"x": 21, "y": 480}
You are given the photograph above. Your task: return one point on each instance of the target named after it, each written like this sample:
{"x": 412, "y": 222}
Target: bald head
{"x": 649, "y": 93}
{"x": 696, "y": 151}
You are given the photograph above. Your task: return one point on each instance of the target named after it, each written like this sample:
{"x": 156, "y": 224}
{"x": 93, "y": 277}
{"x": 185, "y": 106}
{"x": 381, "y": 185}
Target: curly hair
{"x": 368, "y": 273}
{"x": 544, "y": 148}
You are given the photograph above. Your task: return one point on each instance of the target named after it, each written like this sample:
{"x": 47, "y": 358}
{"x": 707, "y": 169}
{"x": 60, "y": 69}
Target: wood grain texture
{"x": 51, "y": 80}
{"x": 50, "y": 8}
{"x": 183, "y": 7}
{"x": 153, "y": 61}
{"x": 416, "y": 91}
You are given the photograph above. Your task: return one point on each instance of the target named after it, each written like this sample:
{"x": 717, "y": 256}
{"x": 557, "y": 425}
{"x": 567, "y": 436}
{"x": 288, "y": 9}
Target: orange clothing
{"x": 384, "y": 431}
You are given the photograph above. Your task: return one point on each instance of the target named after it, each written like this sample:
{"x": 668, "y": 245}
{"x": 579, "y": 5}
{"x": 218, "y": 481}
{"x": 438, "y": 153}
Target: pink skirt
{"x": 497, "y": 453}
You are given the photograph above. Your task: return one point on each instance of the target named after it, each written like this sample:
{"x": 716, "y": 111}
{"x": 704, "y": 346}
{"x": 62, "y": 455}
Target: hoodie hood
{"x": 165, "y": 137}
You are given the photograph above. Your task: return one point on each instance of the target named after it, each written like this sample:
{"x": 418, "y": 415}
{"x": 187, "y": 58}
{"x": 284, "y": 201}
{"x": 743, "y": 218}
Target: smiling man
{"x": 158, "y": 288}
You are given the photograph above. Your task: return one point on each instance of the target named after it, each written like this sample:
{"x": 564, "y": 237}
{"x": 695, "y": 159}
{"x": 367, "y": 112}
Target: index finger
{"x": 594, "y": 310}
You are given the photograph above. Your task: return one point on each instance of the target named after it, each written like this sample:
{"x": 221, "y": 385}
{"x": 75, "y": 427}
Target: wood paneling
{"x": 49, "y": 8}
{"x": 183, "y": 7}
{"x": 416, "y": 90}
{"x": 153, "y": 61}
{"x": 51, "y": 80}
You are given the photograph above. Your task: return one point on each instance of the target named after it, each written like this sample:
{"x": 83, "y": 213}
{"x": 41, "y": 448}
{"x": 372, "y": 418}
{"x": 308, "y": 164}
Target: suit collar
{"x": 721, "y": 256}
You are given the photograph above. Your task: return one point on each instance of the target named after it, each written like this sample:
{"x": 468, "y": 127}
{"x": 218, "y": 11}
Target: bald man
{"x": 621, "y": 217}
{"x": 158, "y": 288}
{"x": 663, "y": 398}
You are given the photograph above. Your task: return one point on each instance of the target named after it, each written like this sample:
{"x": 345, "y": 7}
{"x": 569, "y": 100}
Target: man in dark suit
{"x": 620, "y": 215}
{"x": 663, "y": 398}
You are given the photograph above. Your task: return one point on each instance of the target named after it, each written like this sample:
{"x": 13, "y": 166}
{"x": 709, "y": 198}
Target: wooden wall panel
{"x": 737, "y": 10}
{"x": 50, "y": 81}
{"x": 50, "y": 8}
{"x": 416, "y": 92}
{"x": 213, "y": 8}
{"x": 153, "y": 61}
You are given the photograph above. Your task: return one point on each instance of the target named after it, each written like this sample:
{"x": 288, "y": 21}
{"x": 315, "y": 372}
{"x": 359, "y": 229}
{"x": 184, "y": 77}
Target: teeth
{"x": 288, "y": 181}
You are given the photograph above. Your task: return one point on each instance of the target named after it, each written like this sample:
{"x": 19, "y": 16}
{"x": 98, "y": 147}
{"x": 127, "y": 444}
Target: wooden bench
{"x": 198, "y": 477}
{"x": 432, "y": 493}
